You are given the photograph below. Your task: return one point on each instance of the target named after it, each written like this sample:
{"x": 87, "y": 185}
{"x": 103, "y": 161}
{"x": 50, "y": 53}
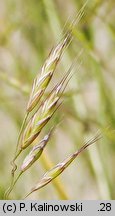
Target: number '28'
{"x": 105, "y": 207}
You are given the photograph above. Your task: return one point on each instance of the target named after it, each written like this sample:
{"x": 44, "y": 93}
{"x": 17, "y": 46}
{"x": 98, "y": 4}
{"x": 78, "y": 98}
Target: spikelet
{"x": 60, "y": 167}
{"x": 43, "y": 114}
{"x": 41, "y": 83}
{"x": 35, "y": 153}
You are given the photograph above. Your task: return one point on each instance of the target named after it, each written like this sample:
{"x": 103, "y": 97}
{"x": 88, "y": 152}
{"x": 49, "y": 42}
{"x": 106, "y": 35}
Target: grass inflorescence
{"x": 83, "y": 109}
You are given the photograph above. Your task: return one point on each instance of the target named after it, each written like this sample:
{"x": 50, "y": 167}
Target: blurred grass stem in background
{"x": 27, "y": 34}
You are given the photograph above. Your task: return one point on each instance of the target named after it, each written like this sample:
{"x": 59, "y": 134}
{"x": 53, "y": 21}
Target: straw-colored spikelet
{"x": 41, "y": 82}
{"x": 35, "y": 153}
{"x": 43, "y": 114}
{"x": 60, "y": 167}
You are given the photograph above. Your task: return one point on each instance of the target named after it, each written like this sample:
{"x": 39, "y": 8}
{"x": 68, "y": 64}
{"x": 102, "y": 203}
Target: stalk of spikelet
{"x": 30, "y": 159}
{"x": 60, "y": 167}
{"x": 44, "y": 113}
{"x": 34, "y": 154}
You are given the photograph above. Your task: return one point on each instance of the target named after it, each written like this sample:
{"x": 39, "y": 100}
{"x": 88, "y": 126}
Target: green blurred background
{"x": 28, "y": 30}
